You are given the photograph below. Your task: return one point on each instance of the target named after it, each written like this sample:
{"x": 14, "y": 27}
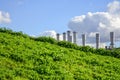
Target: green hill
{"x": 23, "y": 58}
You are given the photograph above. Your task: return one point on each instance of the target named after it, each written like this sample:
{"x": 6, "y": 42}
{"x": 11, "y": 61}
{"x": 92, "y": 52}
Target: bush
{"x": 114, "y": 52}
{"x": 45, "y": 39}
{"x": 67, "y": 44}
{"x": 86, "y": 49}
{"x": 7, "y": 30}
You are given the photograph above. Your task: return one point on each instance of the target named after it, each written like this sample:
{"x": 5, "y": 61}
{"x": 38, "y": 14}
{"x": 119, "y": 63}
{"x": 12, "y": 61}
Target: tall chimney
{"x": 106, "y": 47}
{"x": 74, "y": 37}
{"x": 64, "y": 36}
{"x": 83, "y": 39}
{"x": 68, "y": 36}
{"x": 97, "y": 40}
{"x": 112, "y": 39}
{"x": 58, "y": 36}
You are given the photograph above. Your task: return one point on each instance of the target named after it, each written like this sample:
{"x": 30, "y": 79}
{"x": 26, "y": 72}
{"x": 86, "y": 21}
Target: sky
{"x": 36, "y": 16}
{"x": 39, "y": 17}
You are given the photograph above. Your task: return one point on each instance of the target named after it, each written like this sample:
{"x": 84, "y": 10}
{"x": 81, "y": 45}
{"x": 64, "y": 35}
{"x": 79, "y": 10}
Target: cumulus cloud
{"x": 4, "y": 17}
{"x": 50, "y": 33}
{"x": 102, "y": 22}
{"x": 114, "y": 7}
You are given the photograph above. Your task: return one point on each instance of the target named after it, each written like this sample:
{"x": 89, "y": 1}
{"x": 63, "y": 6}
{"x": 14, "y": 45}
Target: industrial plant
{"x": 71, "y": 36}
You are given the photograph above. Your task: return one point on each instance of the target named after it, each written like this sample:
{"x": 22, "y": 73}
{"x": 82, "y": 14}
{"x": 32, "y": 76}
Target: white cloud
{"x": 102, "y": 22}
{"x": 50, "y": 33}
{"x": 4, "y": 17}
{"x": 114, "y": 7}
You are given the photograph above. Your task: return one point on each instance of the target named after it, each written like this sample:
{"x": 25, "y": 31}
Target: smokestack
{"x": 83, "y": 39}
{"x": 74, "y": 37}
{"x": 112, "y": 39}
{"x": 68, "y": 36}
{"x": 106, "y": 47}
{"x": 97, "y": 40}
{"x": 64, "y": 36}
{"x": 58, "y": 36}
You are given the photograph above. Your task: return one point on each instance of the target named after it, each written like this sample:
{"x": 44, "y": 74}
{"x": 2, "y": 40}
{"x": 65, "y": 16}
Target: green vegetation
{"x": 26, "y": 58}
{"x": 114, "y": 52}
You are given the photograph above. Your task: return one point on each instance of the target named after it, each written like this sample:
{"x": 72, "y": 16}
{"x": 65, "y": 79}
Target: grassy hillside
{"x": 22, "y": 58}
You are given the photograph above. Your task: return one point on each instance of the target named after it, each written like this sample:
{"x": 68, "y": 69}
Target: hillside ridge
{"x": 22, "y": 58}
{"x": 114, "y": 52}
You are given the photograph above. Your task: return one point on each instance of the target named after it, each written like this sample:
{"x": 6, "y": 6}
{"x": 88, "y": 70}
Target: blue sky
{"x": 36, "y": 16}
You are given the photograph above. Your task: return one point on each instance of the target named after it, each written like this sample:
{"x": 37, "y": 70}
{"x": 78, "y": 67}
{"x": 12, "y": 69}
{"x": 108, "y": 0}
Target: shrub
{"x": 86, "y": 49}
{"x": 67, "y": 44}
{"x": 45, "y": 39}
{"x": 114, "y": 52}
{"x": 7, "y": 30}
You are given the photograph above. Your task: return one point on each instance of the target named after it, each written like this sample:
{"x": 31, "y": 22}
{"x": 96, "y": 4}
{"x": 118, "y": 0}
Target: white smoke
{"x": 4, "y": 17}
{"x": 102, "y": 22}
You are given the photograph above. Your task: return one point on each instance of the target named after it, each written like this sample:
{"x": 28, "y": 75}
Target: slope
{"x": 24, "y": 59}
